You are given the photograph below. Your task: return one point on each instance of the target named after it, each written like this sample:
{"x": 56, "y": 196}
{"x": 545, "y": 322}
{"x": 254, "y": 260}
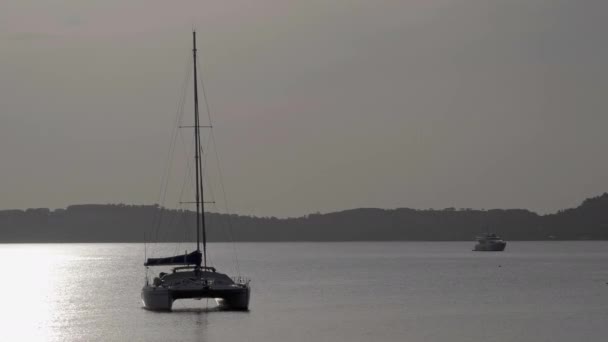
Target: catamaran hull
{"x": 238, "y": 301}
{"x": 162, "y": 298}
{"x": 156, "y": 298}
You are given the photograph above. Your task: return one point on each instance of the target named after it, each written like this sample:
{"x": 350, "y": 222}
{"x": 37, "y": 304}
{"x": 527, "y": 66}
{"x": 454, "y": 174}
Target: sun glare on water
{"x": 31, "y": 288}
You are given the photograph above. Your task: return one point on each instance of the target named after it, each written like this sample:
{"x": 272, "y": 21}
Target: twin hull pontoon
{"x": 196, "y": 283}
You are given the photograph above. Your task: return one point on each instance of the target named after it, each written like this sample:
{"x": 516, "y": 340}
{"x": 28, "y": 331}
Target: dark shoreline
{"x": 118, "y": 223}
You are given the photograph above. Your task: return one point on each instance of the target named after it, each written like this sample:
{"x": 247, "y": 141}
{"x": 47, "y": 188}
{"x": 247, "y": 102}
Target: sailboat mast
{"x": 196, "y": 149}
{"x": 200, "y": 204}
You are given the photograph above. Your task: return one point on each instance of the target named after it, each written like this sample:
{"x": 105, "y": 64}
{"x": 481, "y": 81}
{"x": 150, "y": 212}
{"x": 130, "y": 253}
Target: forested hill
{"x": 133, "y": 223}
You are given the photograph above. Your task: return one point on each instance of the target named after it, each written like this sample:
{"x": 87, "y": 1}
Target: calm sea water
{"x": 370, "y": 291}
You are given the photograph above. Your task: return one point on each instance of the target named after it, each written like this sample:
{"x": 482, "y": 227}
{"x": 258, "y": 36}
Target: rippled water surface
{"x": 369, "y": 291}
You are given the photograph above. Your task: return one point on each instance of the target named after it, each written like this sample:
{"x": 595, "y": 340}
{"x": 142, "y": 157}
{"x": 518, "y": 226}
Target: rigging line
{"x": 166, "y": 185}
{"x": 185, "y": 231}
{"x": 176, "y": 222}
{"x": 208, "y": 186}
{"x": 217, "y": 216}
{"x": 178, "y": 121}
{"x": 178, "y": 243}
{"x": 187, "y": 148}
{"x": 227, "y": 210}
{"x": 204, "y": 168}
{"x": 200, "y": 206}
{"x": 188, "y": 177}
{"x": 174, "y": 132}
{"x": 212, "y": 136}
{"x": 167, "y": 171}
{"x": 167, "y": 175}
{"x": 180, "y": 219}
{"x": 205, "y": 183}
{"x": 208, "y": 183}
{"x": 164, "y": 179}
{"x": 187, "y": 181}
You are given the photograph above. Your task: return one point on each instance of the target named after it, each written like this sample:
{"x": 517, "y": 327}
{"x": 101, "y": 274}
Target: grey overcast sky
{"x": 317, "y": 105}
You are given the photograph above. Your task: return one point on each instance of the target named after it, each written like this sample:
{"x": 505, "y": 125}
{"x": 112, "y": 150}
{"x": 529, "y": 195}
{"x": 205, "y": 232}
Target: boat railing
{"x": 241, "y": 280}
{"x": 204, "y": 268}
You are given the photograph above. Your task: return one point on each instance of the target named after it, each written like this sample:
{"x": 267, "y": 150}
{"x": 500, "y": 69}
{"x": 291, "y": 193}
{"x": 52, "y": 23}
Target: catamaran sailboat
{"x": 192, "y": 277}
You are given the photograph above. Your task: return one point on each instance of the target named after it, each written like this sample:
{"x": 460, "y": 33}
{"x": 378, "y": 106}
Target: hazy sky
{"x": 317, "y": 105}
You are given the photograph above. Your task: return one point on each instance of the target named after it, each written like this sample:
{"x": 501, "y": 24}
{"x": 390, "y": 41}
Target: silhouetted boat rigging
{"x": 194, "y": 278}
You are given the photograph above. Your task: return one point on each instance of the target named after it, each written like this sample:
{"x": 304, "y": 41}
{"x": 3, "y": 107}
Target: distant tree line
{"x": 135, "y": 223}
